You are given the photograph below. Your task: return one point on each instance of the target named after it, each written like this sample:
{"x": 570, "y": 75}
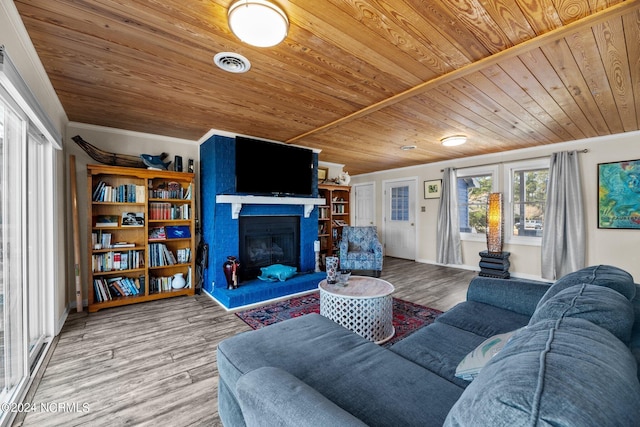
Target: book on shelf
{"x": 123, "y": 245}
{"x": 133, "y": 219}
{"x": 107, "y": 221}
{"x": 160, "y": 255}
{"x": 165, "y": 210}
{"x": 124, "y": 193}
{"x": 157, "y": 233}
{"x": 178, "y": 231}
{"x": 170, "y": 190}
{"x": 113, "y": 261}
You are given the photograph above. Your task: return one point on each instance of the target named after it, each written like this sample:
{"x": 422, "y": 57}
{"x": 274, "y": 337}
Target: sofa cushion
{"x": 518, "y": 295}
{"x": 472, "y": 364}
{"x": 555, "y": 372}
{"x": 294, "y": 403}
{"x": 601, "y": 306}
{"x": 483, "y": 319}
{"x": 600, "y": 275}
{"x": 363, "y": 378}
{"x": 440, "y": 348}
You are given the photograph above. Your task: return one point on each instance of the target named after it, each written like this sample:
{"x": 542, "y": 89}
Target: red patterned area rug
{"x": 407, "y": 316}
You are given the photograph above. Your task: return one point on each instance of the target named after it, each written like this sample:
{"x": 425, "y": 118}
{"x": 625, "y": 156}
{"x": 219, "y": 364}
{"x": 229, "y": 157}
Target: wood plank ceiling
{"x": 357, "y": 79}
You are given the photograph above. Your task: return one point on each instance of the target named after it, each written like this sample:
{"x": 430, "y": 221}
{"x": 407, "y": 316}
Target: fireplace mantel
{"x": 238, "y": 201}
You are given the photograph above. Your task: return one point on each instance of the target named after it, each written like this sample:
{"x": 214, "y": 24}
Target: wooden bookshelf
{"x": 121, "y": 216}
{"x": 332, "y": 217}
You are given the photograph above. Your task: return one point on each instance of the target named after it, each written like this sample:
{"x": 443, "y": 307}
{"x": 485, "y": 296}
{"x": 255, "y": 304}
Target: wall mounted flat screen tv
{"x": 267, "y": 168}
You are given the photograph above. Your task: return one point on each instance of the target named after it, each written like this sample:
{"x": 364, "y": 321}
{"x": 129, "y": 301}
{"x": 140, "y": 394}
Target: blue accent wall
{"x": 219, "y": 230}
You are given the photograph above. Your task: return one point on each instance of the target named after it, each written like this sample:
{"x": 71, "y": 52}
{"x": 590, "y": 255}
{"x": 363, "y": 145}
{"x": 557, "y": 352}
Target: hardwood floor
{"x": 155, "y": 363}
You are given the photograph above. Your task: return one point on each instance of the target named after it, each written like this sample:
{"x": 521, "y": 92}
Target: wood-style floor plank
{"x": 155, "y": 363}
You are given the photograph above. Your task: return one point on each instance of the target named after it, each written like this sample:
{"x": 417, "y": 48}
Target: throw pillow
{"x": 473, "y": 362}
{"x": 277, "y": 272}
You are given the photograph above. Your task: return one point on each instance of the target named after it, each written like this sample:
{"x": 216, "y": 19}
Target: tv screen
{"x": 275, "y": 169}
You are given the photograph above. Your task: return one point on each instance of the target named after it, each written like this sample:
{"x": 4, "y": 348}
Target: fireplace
{"x": 267, "y": 240}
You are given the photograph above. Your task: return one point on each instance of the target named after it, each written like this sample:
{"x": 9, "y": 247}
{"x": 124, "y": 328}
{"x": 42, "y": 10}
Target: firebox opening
{"x": 268, "y": 240}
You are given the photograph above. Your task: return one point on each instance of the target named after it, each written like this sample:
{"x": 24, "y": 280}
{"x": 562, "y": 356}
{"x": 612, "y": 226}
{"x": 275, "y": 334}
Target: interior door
{"x": 399, "y": 219}
{"x": 364, "y": 205}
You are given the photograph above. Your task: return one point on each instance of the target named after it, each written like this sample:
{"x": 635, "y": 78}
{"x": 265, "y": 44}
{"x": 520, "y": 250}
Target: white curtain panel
{"x": 563, "y": 238}
{"x": 448, "y": 235}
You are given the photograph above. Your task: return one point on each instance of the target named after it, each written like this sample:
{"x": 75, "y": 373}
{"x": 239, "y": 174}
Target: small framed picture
{"x": 432, "y": 189}
{"x": 322, "y": 174}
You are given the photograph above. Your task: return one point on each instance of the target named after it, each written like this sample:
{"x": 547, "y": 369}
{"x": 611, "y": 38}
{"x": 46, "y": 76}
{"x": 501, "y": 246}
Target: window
{"x": 400, "y": 203}
{"x": 527, "y": 198}
{"x": 474, "y": 186}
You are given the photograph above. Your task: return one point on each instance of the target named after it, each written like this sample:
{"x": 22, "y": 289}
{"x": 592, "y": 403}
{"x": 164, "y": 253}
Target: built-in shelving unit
{"x": 141, "y": 235}
{"x": 332, "y": 216}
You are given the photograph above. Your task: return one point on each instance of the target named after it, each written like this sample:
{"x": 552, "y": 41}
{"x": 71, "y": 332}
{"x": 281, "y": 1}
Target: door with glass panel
{"x": 24, "y": 232}
{"x": 13, "y": 126}
{"x": 399, "y": 219}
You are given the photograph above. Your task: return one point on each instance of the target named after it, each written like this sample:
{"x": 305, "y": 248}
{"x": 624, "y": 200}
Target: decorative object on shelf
{"x": 258, "y": 22}
{"x": 112, "y": 159}
{"x": 190, "y": 166}
{"x": 432, "y": 189}
{"x": 177, "y": 163}
{"x": 343, "y": 179}
{"x": 155, "y": 162}
{"x": 178, "y": 232}
{"x": 494, "y": 223}
{"x": 331, "y": 263}
{"x": 178, "y": 281}
{"x": 230, "y": 268}
{"x": 323, "y": 174}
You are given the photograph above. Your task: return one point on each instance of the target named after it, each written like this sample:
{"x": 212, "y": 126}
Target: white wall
{"x": 615, "y": 247}
{"x": 121, "y": 142}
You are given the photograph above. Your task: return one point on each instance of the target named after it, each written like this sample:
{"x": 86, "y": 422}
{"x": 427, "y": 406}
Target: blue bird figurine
{"x": 154, "y": 162}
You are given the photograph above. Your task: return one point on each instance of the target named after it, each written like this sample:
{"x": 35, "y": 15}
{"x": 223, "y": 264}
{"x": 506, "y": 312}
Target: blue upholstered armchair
{"x": 360, "y": 249}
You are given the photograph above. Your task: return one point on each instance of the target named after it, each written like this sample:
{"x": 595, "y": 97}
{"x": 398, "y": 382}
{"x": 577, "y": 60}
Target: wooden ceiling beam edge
{"x": 526, "y": 46}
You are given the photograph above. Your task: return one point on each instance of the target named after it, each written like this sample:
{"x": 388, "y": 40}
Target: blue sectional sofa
{"x": 570, "y": 358}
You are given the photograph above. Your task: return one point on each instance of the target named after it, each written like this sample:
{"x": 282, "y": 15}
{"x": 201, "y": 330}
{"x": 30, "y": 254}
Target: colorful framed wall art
{"x": 619, "y": 195}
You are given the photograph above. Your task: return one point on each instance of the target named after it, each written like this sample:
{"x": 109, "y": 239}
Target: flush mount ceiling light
{"x": 258, "y": 22}
{"x": 452, "y": 141}
{"x": 408, "y": 147}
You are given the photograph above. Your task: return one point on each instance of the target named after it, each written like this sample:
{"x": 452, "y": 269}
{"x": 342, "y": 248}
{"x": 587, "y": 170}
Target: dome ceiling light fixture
{"x": 452, "y": 141}
{"x": 259, "y": 23}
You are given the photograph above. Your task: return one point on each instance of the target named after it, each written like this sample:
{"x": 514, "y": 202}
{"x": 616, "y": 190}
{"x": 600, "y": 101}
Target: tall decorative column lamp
{"x": 494, "y": 262}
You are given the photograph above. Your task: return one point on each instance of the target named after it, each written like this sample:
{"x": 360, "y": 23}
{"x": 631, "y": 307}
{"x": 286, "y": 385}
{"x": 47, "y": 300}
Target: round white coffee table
{"x": 364, "y": 306}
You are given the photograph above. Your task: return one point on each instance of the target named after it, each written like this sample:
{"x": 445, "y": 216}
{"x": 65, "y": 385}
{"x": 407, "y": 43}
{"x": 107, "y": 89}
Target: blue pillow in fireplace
{"x": 277, "y": 272}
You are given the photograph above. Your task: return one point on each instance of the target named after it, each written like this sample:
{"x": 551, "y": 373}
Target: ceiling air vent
{"x": 232, "y": 62}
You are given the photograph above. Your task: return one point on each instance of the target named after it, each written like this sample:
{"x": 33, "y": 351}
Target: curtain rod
{"x": 585, "y": 150}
